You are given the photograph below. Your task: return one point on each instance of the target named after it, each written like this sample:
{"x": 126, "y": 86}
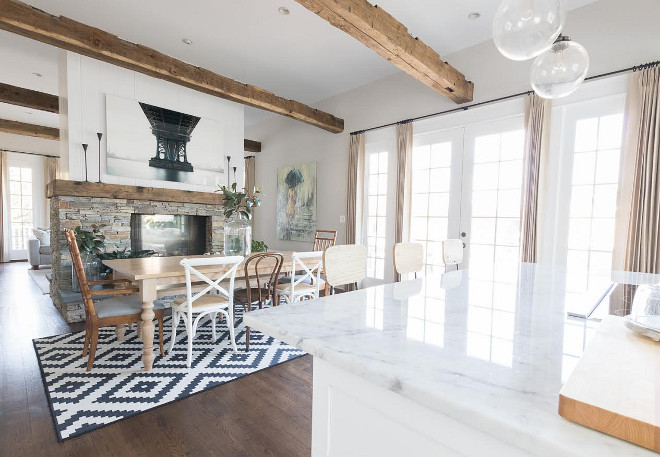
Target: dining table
{"x": 150, "y": 273}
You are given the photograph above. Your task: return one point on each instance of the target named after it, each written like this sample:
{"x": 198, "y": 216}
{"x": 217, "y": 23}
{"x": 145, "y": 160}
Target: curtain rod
{"x": 29, "y": 153}
{"x": 501, "y": 99}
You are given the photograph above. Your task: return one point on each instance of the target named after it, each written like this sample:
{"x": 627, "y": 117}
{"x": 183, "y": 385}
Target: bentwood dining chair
{"x": 306, "y": 285}
{"x": 122, "y": 307}
{"x": 408, "y": 258}
{"x": 203, "y": 303}
{"x": 262, "y": 271}
{"x": 344, "y": 264}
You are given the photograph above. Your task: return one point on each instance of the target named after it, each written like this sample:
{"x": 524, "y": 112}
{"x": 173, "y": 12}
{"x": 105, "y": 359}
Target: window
{"x": 496, "y": 192}
{"x": 431, "y": 176}
{"x": 376, "y": 213}
{"x": 20, "y": 195}
{"x": 596, "y": 152}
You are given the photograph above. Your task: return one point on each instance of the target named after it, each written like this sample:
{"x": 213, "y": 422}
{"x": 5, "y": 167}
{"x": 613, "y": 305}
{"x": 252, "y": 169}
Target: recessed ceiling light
{"x": 38, "y": 75}
{"x": 474, "y": 16}
{"x": 187, "y": 41}
{"x": 283, "y": 10}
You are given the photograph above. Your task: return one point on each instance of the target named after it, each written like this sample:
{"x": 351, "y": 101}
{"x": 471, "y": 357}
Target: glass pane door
{"x": 20, "y": 209}
{"x": 491, "y": 194}
{"x": 436, "y": 189}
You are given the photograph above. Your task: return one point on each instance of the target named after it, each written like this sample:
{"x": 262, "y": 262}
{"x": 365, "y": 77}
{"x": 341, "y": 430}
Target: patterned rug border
{"x": 96, "y": 427}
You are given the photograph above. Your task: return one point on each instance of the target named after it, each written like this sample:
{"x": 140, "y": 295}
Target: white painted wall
{"x": 617, "y": 35}
{"x": 84, "y": 83}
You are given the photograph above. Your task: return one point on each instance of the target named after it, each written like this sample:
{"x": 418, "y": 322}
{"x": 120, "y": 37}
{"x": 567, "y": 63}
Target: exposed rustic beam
{"x": 29, "y": 98}
{"x": 379, "y": 31}
{"x": 61, "y": 187}
{"x": 23, "y": 19}
{"x": 21, "y": 128}
{"x": 251, "y": 145}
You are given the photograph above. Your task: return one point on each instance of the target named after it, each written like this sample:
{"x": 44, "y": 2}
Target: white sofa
{"x": 39, "y": 252}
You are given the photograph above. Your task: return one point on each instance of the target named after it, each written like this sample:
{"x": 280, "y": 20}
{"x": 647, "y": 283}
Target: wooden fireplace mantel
{"x": 61, "y": 187}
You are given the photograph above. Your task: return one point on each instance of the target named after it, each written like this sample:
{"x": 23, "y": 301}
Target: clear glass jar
{"x": 238, "y": 236}
{"x": 92, "y": 267}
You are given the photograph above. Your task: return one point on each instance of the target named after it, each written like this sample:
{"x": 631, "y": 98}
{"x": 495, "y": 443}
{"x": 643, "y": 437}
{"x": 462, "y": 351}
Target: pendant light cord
{"x": 505, "y": 98}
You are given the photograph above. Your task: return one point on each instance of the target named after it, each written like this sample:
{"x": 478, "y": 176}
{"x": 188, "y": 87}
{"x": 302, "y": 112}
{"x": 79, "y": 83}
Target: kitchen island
{"x": 459, "y": 365}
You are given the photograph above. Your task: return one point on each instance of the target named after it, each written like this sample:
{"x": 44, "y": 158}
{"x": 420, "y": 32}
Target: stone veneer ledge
{"x": 113, "y": 215}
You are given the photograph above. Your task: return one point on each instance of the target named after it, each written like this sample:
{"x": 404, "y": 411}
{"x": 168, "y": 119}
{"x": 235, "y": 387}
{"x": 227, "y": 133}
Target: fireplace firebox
{"x": 169, "y": 235}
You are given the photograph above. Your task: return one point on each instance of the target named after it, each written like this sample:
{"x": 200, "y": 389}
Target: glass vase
{"x": 238, "y": 236}
{"x": 91, "y": 266}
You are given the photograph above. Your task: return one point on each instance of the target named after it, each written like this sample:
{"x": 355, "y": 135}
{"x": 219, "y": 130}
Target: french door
{"x": 466, "y": 184}
{"x": 26, "y": 201}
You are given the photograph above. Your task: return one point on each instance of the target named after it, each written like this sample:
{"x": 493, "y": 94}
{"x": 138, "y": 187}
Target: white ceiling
{"x": 298, "y": 56}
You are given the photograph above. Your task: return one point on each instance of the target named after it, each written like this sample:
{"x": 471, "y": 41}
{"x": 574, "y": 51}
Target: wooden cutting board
{"x": 615, "y": 387}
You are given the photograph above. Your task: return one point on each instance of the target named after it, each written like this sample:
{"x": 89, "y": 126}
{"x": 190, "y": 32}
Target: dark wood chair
{"x": 323, "y": 239}
{"x": 262, "y": 271}
{"x": 123, "y": 306}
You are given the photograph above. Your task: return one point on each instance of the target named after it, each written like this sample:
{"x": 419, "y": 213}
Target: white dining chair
{"x": 408, "y": 258}
{"x": 307, "y": 284}
{"x": 452, "y": 252}
{"x": 344, "y": 264}
{"x": 203, "y": 303}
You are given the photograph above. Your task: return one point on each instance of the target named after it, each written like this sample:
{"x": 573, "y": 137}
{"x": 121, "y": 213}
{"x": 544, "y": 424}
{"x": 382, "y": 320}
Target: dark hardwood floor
{"x": 264, "y": 414}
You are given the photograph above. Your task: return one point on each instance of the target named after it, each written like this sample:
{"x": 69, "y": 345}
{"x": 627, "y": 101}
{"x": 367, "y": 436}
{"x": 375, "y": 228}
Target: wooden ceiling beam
{"x": 29, "y": 98}
{"x": 21, "y": 128}
{"x": 379, "y": 31}
{"x": 25, "y": 20}
{"x": 251, "y": 145}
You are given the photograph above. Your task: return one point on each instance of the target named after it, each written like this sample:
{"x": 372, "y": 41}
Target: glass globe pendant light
{"x": 523, "y": 29}
{"x": 560, "y": 70}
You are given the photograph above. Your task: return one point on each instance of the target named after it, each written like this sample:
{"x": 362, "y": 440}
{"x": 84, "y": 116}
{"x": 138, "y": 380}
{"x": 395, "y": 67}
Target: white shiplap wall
{"x": 84, "y": 83}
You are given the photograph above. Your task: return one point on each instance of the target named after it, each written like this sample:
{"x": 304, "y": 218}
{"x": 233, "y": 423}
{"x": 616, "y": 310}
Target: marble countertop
{"x": 492, "y": 352}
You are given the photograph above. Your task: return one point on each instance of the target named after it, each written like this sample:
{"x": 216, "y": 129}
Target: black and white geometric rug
{"x": 117, "y": 388}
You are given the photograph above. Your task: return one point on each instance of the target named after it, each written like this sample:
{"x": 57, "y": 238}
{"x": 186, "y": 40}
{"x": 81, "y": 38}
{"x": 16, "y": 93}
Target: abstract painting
{"x": 150, "y": 142}
{"x": 296, "y": 202}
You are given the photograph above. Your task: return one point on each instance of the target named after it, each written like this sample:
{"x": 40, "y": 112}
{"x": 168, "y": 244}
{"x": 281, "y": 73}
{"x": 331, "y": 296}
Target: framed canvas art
{"x": 296, "y": 202}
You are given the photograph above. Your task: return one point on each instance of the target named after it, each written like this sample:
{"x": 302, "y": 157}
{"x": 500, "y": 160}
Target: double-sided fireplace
{"x": 169, "y": 234}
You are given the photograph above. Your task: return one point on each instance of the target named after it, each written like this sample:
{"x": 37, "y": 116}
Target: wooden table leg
{"x": 148, "y": 295}
{"x": 120, "y": 331}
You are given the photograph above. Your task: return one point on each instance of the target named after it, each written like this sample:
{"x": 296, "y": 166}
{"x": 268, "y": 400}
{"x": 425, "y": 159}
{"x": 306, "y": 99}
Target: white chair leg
{"x": 230, "y": 324}
{"x": 175, "y": 322}
{"x": 214, "y": 316}
{"x": 190, "y": 341}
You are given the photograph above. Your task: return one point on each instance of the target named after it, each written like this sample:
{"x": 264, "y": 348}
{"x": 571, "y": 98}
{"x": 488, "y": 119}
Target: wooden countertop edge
{"x": 610, "y": 423}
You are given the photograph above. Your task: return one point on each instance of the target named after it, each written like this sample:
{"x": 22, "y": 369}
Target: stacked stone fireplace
{"x": 113, "y": 217}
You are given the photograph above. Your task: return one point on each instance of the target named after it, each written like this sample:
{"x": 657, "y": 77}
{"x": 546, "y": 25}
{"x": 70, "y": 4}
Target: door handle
{"x": 463, "y": 234}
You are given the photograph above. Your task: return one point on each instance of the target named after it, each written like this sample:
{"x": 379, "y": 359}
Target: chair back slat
{"x": 189, "y": 266}
{"x": 452, "y": 251}
{"x": 310, "y": 264}
{"x": 323, "y": 239}
{"x": 76, "y": 260}
{"x": 408, "y": 258}
{"x": 345, "y": 264}
{"x": 266, "y": 279}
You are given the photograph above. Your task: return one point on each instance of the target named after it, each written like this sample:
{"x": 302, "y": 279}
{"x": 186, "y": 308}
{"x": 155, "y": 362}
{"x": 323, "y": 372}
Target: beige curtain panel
{"x": 537, "y": 133}
{"x": 250, "y": 173}
{"x": 355, "y": 180}
{"x": 643, "y": 242}
{"x": 404, "y": 138}
{"x": 5, "y": 233}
